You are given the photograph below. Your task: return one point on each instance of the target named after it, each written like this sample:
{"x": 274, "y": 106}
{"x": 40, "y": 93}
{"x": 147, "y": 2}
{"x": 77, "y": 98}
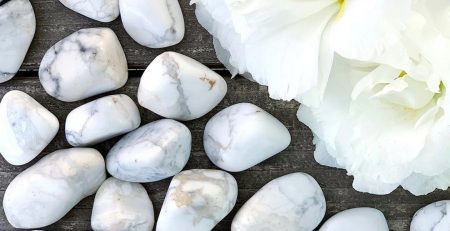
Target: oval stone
{"x": 294, "y": 202}
{"x": 26, "y": 127}
{"x": 121, "y": 205}
{"x": 433, "y": 217}
{"x": 178, "y": 87}
{"x": 100, "y": 10}
{"x": 86, "y": 63}
{"x": 357, "y": 219}
{"x": 46, "y": 191}
{"x": 242, "y": 136}
{"x": 17, "y": 28}
{"x": 197, "y": 200}
{"x": 101, "y": 119}
{"x": 154, "y": 24}
{"x": 151, "y": 153}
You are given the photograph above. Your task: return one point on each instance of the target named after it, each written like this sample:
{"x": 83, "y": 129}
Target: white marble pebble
{"x": 242, "y": 136}
{"x": 122, "y": 206}
{"x": 86, "y": 63}
{"x": 356, "y": 219}
{"x": 154, "y": 24}
{"x": 178, "y": 87}
{"x": 48, "y": 190}
{"x": 26, "y": 127}
{"x": 433, "y": 217}
{"x": 197, "y": 200}
{"x": 294, "y": 202}
{"x": 151, "y": 153}
{"x": 17, "y": 27}
{"x": 101, "y": 119}
{"x": 100, "y": 10}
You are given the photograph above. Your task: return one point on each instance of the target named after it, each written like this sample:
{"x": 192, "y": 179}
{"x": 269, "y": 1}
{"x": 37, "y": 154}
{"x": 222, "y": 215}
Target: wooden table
{"x": 54, "y": 22}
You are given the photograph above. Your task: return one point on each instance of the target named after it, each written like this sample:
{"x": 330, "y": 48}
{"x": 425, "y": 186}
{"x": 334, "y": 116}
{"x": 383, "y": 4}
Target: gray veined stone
{"x": 100, "y": 10}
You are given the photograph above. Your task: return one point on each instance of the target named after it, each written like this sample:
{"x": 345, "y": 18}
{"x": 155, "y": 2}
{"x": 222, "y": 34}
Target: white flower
{"x": 384, "y": 126}
{"x": 289, "y": 45}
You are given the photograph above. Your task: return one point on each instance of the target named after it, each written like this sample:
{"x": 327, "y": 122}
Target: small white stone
{"x": 102, "y": 119}
{"x": 433, "y": 217}
{"x": 100, "y": 10}
{"x": 17, "y": 27}
{"x": 293, "y": 202}
{"x": 121, "y": 205}
{"x": 153, "y": 152}
{"x": 86, "y": 63}
{"x": 357, "y": 219}
{"x": 197, "y": 200}
{"x": 178, "y": 87}
{"x": 26, "y": 127}
{"x": 48, "y": 190}
{"x": 154, "y": 24}
{"x": 243, "y": 135}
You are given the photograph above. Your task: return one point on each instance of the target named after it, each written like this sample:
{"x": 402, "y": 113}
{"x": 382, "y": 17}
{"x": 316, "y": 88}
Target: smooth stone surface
{"x": 100, "y": 10}
{"x": 154, "y": 23}
{"x": 17, "y": 27}
{"x": 121, "y": 206}
{"x": 101, "y": 119}
{"x": 178, "y": 87}
{"x": 433, "y": 217}
{"x": 26, "y": 127}
{"x": 46, "y": 191}
{"x": 197, "y": 200}
{"x": 243, "y": 135}
{"x": 86, "y": 63}
{"x": 151, "y": 153}
{"x": 357, "y": 219}
{"x": 294, "y": 202}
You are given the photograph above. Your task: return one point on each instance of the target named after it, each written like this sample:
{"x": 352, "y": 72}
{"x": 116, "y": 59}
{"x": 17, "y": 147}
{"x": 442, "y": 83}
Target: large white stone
{"x": 357, "y": 219}
{"x": 100, "y": 10}
{"x": 293, "y": 202}
{"x": 433, "y": 217}
{"x": 17, "y": 27}
{"x": 197, "y": 200}
{"x": 86, "y": 63}
{"x": 178, "y": 87}
{"x": 101, "y": 119}
{"x": 242, "y": 136}
{"x": 26, "y": 127}
{"x": 46, "y": 191}
{"x": 153, "y": 23}
{"x": 122, "y": 206}
{"x": 153, "y": 152}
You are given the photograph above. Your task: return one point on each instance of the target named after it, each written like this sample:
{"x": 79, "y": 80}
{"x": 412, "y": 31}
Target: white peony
{"x": 289, "y": 45}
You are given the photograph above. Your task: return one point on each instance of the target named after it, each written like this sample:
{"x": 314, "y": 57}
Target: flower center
{"x": 342, "y": 4}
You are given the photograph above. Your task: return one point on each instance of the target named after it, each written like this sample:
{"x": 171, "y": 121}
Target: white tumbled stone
{"x": 242, "y": 136}
{"x": 356, "y": 219}
{"x": 152, "y": 152}
{"x": 48, "y": 190}
{"x": 100, "y": 10}
{"x": 433, "y": 217}
{"x": 26, "y": 127}
{"x": 17, "y": 27}
{"x": 122, "y": 206}
{"x": 294, "y": 202}
{"x": 86, "y": 63}
{"x": 101, "y": 119}
{"x": 178, "y": 87}
{"x": 153, "y": 23}
{"x": 197, "y": 200}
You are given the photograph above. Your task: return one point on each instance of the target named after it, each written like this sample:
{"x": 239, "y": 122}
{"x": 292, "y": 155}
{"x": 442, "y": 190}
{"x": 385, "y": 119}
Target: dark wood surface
{"x": 55, "y": 22}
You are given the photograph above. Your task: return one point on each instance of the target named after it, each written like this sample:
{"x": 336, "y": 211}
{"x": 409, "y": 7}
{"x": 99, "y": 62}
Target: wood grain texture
{"x": 54, "y": 22}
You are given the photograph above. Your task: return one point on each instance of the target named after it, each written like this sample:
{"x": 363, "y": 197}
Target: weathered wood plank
{"x": 398, "y": 207}
{"x": 54, "y": 22}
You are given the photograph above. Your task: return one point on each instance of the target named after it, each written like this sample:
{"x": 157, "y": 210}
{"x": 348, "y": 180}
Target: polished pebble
{"x": 100, "y": 10}
{"x": 356, "y": 219}
{"x": 433, "y": 217}
{"x": 178, "y": 87}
